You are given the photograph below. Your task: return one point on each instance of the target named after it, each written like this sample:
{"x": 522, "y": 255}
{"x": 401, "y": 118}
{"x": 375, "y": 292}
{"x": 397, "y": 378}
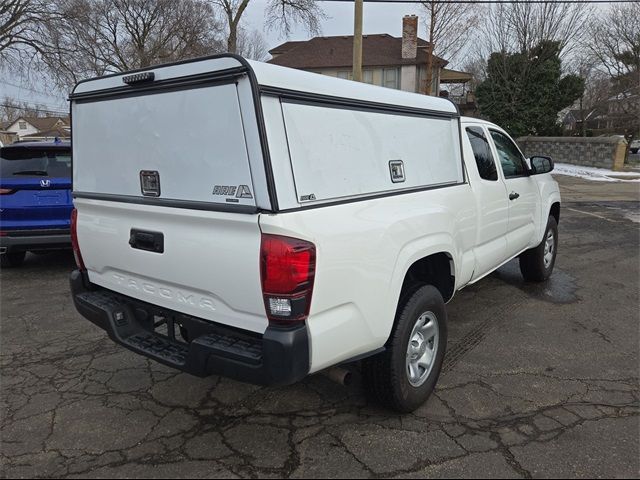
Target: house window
{"x": 367, "y": 76}
{"x": 390, "y": 78}
{"x": 22, "y": 125}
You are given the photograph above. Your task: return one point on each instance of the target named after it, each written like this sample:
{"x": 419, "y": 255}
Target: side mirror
{"x": 540, "y": 165}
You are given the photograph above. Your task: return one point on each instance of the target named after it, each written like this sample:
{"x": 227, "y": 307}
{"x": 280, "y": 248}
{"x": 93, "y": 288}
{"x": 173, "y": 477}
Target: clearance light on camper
{"x": 287, "y": 267}
{"x": 139, "y": 78}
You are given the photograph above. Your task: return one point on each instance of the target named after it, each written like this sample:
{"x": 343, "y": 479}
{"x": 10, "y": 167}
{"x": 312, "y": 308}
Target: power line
{"x": 22, "y": 87}
{"x": 34, "y": 104}
{"x": 18, "y": 107}
{"x": 31, "y": 101}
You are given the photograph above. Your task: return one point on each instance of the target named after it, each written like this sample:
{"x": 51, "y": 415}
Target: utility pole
{"x": 357, "y": 41}
{"x": 428, "y": 81}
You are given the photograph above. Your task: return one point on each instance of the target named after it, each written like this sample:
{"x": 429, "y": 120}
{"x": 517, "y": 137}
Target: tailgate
{"x": 162, "y": 180}
{"x": 209, "y": 266}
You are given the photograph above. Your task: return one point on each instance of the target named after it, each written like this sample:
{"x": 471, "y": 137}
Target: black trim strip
{"x": 262, "y": 132}
{"x": 307, "y": 98}
{"x": 37, "y": 232}
{"x": 199, "y": 80}
{"x": 165, "y": 202}
{"x": 362, "y": 356}
{"x": 253, "y": 82}
{"x": 376, "y": 196}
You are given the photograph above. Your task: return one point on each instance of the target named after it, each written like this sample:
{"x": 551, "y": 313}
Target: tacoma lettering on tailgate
{"x": 164, "y": 292}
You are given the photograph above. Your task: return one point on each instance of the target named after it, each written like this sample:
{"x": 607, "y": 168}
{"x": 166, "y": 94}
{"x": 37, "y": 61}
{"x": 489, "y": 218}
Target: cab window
{"x": 482, "y": 153}
{"x": 511, "y": 160}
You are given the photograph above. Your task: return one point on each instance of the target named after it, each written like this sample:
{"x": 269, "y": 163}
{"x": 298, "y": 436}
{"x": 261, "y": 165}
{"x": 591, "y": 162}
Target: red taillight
{"x": 6, "y": 191}
{"x": 287, "y": 267}
{"x": 74, "y": 240}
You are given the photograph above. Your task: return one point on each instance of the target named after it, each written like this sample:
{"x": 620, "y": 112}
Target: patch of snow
{"x": 595, "y": 174}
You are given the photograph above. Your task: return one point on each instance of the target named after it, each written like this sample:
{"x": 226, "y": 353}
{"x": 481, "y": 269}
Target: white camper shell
{"x": 263, "y": 223}
{"x": 241, "y": 136}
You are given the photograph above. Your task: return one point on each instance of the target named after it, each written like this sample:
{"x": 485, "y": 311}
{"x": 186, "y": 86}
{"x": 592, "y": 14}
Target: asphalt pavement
{"x": 539, "y": 381}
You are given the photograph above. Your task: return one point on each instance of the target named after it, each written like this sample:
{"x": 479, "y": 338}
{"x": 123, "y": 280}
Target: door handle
{"x": 149, "y": 241}
{"x": 513, "y": 195}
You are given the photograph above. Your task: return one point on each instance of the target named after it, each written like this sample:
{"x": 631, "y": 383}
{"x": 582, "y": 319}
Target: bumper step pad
{"x": 154, "y": 346}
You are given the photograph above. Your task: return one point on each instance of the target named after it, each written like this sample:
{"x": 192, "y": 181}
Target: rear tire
{"x": 404, "y": 375}
{"x": 536, "y": 264}
{"x": 13, "y": 259}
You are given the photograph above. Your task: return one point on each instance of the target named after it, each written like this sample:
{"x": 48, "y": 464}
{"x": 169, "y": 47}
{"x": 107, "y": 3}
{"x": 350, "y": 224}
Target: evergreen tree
{"x": 524, "y": 92}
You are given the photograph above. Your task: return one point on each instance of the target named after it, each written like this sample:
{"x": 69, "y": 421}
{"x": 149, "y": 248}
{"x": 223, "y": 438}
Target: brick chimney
{"x": 409, "y": 36}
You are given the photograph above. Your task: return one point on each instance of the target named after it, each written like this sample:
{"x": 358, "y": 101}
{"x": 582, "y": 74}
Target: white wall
{"x": 15, "y": 128}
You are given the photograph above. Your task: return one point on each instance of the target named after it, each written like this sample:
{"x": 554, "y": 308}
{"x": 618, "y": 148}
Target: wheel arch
{"x": 554, "y": 211}
{"x": 437, "y": 269}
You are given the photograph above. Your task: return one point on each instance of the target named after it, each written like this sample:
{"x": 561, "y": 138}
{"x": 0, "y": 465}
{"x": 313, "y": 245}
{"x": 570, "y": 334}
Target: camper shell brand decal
{"x": 244, "y": 192}
{"x": 233, "y": 192}
{"x": 308, "y": 198}
{"x": 225, "y": 190}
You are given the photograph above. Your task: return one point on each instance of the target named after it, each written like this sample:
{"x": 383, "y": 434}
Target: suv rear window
{"x": 35, "y": 162}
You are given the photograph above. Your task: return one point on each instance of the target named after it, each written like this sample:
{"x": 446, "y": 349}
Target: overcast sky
{"x": 378, "y": 18}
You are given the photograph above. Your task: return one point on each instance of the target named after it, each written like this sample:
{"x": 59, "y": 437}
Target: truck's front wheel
{"x": 537, "y": 263}
{"x": 405, "y": 374}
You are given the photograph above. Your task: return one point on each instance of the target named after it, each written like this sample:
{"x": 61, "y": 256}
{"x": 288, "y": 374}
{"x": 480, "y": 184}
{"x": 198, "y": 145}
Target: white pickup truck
{"x": 263, "y": 223}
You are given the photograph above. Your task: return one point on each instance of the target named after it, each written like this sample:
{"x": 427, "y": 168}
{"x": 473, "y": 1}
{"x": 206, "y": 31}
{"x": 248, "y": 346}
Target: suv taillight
{"x": 287, "y": 267}
{"x": 74, "y": 240}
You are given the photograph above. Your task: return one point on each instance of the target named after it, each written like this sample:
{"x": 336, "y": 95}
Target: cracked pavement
{"x": 539, "y": 381}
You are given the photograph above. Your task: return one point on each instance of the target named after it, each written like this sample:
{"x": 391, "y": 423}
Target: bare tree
{"x": 251, "y": 44}
{"x": 450, "y": 26}
{"x": 615, "y": 40}
{"x": 9, "y": 109}
{"x": 12, "y": 109}
{"x": 614, "y": 43}
{"x": 519, "y": 27}
{"x": 232, "y": 11}
{"x": 597, "y": 85}
{"x": 280, "y": 15}
{"x": 22, "y": 30}
{"x": 104, "y": 36}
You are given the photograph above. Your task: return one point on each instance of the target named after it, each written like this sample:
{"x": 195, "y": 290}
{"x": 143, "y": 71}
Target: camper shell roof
{"x": 268, "y": 79}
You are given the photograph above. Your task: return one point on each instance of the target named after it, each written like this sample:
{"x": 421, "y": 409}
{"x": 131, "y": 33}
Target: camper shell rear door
{"x": 168, "y": 179}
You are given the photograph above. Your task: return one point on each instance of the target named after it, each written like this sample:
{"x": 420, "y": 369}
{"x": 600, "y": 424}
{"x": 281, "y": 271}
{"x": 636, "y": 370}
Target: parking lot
{"x": 539, "y": 381}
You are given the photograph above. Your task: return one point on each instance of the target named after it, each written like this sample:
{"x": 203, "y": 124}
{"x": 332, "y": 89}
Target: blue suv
{"x": 35, "y": 199}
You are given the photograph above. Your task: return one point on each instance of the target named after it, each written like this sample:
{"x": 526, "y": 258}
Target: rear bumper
{"x": 21, "y": 240}
{"x": 279, "y": 357}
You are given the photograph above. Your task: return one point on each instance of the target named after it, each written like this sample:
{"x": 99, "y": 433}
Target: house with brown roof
{"x": 40, "y": 128}
{"x": 388, "y": 61}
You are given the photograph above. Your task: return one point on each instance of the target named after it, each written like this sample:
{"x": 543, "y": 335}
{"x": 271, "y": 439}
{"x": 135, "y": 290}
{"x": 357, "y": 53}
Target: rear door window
{"x": 482, "y": 153}
{"x": 34, "y": 162}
